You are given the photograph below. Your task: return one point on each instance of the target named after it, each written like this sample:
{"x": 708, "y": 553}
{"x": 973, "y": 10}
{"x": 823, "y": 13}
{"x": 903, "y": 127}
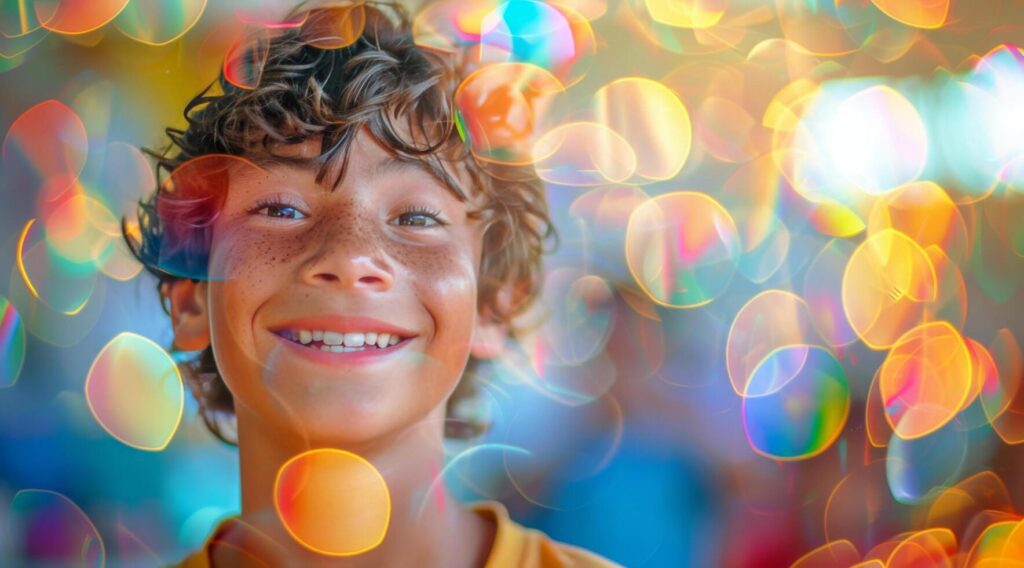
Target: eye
{"x": 277, "y": 210}
{"x": 420, "y": 217}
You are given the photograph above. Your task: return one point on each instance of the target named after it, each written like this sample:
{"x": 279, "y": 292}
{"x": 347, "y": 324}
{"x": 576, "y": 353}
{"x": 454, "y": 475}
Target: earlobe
{"x": 488, "y": 339}
{"x": 189, "y": 316}
{"x": 491, "y": 332}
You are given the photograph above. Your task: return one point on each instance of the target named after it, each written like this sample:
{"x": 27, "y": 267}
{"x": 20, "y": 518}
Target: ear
{"x": 189, "y": 315}
{"x": 488, "y": 338}
{"x": 489, "y": 332}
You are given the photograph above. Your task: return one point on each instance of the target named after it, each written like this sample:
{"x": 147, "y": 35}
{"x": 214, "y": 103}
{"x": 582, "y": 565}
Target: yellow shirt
{"x": 514, "y": 546}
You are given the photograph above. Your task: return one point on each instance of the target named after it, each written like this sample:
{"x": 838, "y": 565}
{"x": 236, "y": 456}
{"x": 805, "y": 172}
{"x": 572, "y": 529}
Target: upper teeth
{"x": 349, "y": 339}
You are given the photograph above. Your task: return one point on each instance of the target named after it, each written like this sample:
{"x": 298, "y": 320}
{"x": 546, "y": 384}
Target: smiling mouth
{"x": 341, "y": 342}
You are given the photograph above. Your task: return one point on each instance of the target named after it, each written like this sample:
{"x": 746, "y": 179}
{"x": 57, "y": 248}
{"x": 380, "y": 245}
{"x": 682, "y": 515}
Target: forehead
{"x": 366, "y": 160}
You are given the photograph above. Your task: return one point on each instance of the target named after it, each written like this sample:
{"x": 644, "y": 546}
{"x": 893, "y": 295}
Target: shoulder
{"x": 198, "y": 559}
{"x": 516, "y": 545}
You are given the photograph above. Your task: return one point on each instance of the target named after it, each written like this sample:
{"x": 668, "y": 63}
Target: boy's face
{"x": 391, "y": 243}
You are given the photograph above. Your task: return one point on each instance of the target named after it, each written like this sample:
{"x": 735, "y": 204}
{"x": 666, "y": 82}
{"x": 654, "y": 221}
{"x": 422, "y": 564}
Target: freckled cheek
{"x": 252, "y": 256}
{"x": 246, "y": 270}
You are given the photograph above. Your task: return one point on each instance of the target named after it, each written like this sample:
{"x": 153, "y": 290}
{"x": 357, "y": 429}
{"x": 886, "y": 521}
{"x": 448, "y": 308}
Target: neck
{"x": 426, "y": 526}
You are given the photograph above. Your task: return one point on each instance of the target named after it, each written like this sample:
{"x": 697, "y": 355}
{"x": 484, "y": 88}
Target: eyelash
{"x": 273, "y": 202}
{"x": 409, "y": 211}
{"x": 432, "y": 213}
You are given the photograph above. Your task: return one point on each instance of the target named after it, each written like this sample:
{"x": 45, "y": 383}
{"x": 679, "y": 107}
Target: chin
{"x": 353, "y": 431}
{"x": 344, "y": 421}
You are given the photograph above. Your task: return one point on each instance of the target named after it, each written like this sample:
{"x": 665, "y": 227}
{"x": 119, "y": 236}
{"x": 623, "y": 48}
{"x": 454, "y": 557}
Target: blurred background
{"x": 783, "y": 325}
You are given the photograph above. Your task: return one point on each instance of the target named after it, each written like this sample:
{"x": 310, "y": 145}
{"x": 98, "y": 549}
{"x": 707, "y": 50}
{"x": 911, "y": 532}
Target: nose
{"x": 352, "y": 261}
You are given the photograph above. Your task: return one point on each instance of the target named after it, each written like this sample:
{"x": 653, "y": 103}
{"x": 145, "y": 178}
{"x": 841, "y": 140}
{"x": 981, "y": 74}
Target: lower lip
{"x": 336, "y": 359}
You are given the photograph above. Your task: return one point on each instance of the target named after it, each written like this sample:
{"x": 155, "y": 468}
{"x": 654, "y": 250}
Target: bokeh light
{"x": 159, "y": 22}
{"x": 871, "y": 141}
{"x": 918, "y": 13}
{"x": 337, "y": 27}
{"x": 191, "y": 199}
{"x": 801, "y": 403}
{"x": 768, "y": 256}
{"x": 554, "y": 37}
{"x": 652, "y": 120}
{"x": 835, "y": 220}
{"x": 876, "y": 425}
{"x": 80, "y": 299}
{"x": 836, "y": 553}
{"x": 18, "y": 19}
{"x": 925, "y": 213}
{"x": 243, "y": 64}
{"x": 950, "y": 302}
{"x": 861, "y": 509}
{"x": 956, "y": 506}
{"x": 682, "y": 248}
{"x": 769, "y": 322}
{"x": 726, "y": 130}
{"x": 1003, "y": 399}
{"x": 826, "y": 29}
{"x": 82, "y": 231}
{"x": 135, "y": 391}
{"x": 752, "y": 196}
{"x": 1000, "y": 75}
{"x": 45, "y": 150}
{"x": 689, "y": 13}
{"x": 984, "y": 373}
{"x": 52, "y": 530}
{"x": 594, "y": 451}
{"x": 61, "y": 284}
{"x": 451, "y": 24}
{"x": 333, "y": 502}
{"x": 580, "y": 321}
{"x": 504, "y": 109}
{"x": 585, "y": 154}
{"x": 970, "y": 155}
{"x": 932, "y": 547}
{"x": 925, "y": 379}
{"x": 567, "y": 352}
{"x": 921, "y": 468}
{"x": 887, "y": 286}
{"x": 570, "y": 384}
{"x": 12, "y": 343}
{"x": 822, "y": 291}
{"x": 602, "y": 213}
{"x": 76, "y": 16}
{"x": 1001, "y": 544}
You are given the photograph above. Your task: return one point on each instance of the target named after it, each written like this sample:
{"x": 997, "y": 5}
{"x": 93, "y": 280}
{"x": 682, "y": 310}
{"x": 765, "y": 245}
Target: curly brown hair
{"x": 303, "y": 88}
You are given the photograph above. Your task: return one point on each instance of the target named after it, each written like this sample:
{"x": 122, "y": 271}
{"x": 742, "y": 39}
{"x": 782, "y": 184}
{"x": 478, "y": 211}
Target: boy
{"x": 329, "y": 245}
